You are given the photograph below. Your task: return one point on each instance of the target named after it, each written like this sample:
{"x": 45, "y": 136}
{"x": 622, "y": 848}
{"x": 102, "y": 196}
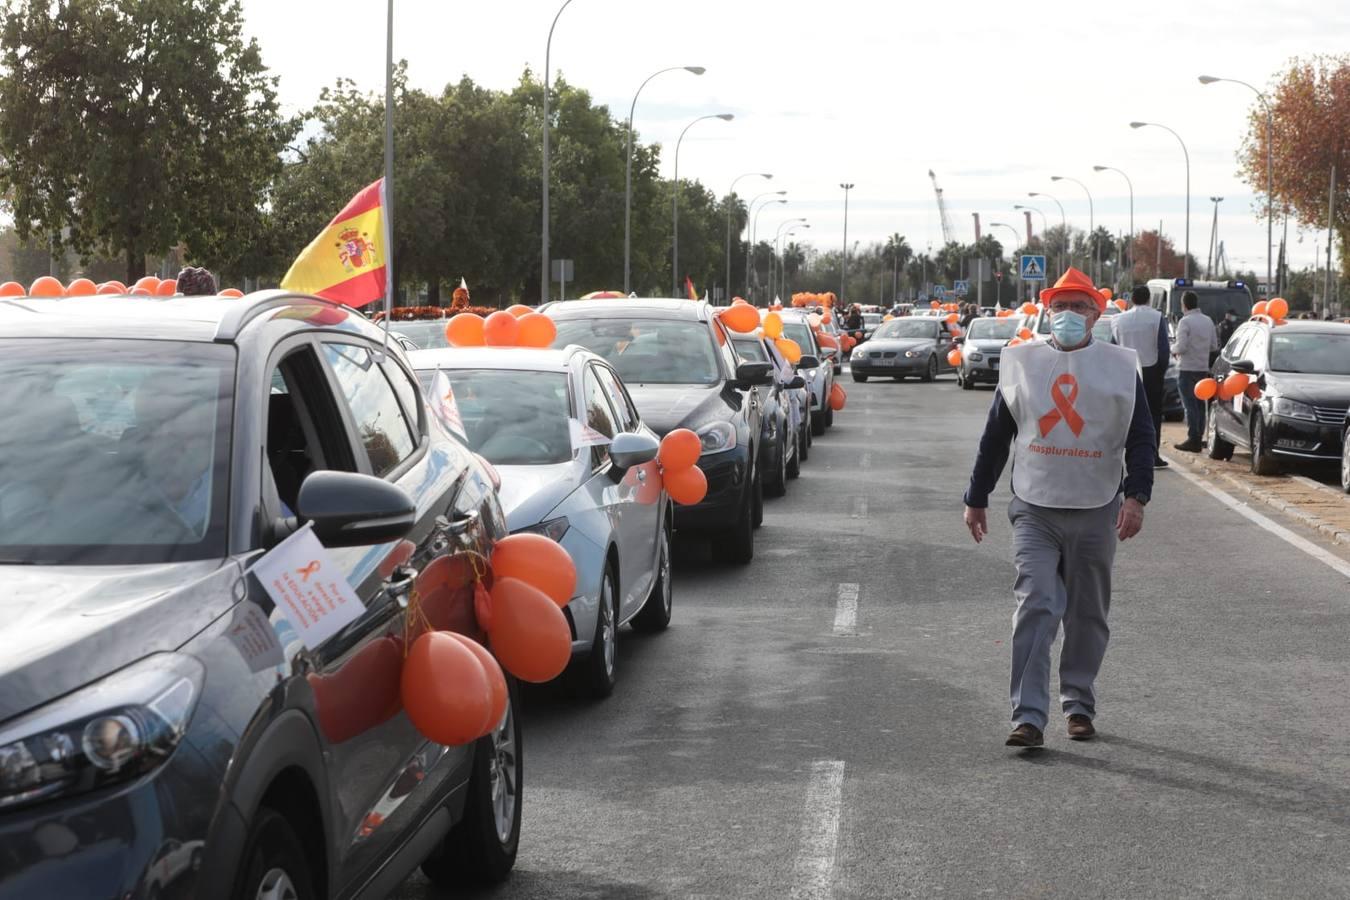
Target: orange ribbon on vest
{"x": 1063, "y": 411}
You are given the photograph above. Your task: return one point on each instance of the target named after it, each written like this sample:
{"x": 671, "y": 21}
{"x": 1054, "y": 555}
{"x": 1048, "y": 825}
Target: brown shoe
{"x": 1080, "y": 728}
{"x": 1025, "y": 735}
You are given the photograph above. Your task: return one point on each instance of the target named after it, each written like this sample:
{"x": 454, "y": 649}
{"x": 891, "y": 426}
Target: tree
{"x": 1311, "y": 111}
{"x": 1145, "y": 256}
{"x": 900, "y": 253}
{"x": 127, "y": 127}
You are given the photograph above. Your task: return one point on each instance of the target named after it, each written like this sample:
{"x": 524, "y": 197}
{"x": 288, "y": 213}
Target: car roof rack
{"x": 250, "y": 306}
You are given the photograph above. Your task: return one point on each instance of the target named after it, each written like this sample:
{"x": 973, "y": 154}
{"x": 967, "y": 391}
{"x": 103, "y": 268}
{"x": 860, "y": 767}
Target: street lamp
{"x": 753, "y": 215}
{"x": 730, "y": 194}
{"x": 1212, "y": 261}
{"x": 675, "y": 201}
{"x": 628, "y": 175}
{"x": 1020, "y": 206}
{"x": 1186, "y": 153}
{"x": 1131, "y": 186}
{"x": 773, "y": 263}
{"x": 1270, "y": 173}
{"x": 843, "y": 275}
{"x": 1063, "y": 222}
{"x": 1092, "y": 226}
{"x": 782, "y": 262}
{"x": 1017, "y": 236}
{"x": 543, "y": 252}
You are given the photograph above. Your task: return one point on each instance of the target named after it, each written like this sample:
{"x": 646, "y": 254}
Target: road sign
{"x": 1033, "y": 267}
{"x": 939, "y": 291}
{"x": 960, "y": 288}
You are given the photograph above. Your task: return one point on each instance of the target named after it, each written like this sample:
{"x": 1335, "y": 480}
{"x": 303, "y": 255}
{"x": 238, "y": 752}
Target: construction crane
{"x": 942, "y": 211}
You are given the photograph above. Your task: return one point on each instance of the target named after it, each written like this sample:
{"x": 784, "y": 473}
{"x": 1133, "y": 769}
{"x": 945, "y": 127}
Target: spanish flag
{"x": 346, "y": 262}
{"x": 689, "y": 288}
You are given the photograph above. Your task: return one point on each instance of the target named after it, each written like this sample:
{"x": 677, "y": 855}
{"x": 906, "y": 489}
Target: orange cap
{"x": 1073, "y": 281}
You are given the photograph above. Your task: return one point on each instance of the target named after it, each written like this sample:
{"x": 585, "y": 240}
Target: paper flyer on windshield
{"x": 309, "y": 588}
{"x": 442, "y": 400}
{"x": 584, "y": 435}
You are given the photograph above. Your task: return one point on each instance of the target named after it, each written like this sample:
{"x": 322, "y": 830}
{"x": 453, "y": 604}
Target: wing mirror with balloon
{"x": 808, "y": 362}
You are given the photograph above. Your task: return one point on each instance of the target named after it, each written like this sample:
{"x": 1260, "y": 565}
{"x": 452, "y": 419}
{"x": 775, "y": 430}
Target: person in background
{"x": 854, "y": 320}
{"x": 1196, "y": 340}
{"x": 1227, "y": 327}
{"x": 196, "y": 282}
{"x": 1141, "y": 329}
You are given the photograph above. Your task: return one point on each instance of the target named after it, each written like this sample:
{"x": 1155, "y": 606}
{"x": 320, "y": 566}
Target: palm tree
{"x": 898, "y": 249}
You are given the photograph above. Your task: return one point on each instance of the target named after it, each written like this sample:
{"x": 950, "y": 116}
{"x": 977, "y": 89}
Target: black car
{"x": 779, "y": 452}
{"x": 916, "y": 345}
{"x": 163, "y": 730}
{"x": 1303, "y": 370}
{"x": 677, "y": 361}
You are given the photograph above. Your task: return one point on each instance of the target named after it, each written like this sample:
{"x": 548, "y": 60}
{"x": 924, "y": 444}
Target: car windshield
{"x": 872, "y": 318}
{"x": 510, "y": 417}
{"x": 113, "y": 452}
{"x": 750, "y": 350}
{"x": 799, "y": 332}
{"x": 647, "y": 351}
{"x": 427, "y": 335}
{"x": 992, "y": 329}
{"x": 1310, "y": 353}
{"x": 908, "y": 328}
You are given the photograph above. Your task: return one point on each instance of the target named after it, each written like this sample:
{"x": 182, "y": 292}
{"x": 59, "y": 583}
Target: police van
{"x": 1216, "y": 297}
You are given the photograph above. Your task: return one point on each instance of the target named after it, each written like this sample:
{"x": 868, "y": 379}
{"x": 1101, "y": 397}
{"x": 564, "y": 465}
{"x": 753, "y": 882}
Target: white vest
{"x": 1137, "y": 328}
{"x": 1073, "y": 412}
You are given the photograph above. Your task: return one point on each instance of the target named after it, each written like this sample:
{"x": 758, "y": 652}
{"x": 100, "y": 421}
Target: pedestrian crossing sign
{"x": 1033, "y": 267}
{"x": 960, "y": 288}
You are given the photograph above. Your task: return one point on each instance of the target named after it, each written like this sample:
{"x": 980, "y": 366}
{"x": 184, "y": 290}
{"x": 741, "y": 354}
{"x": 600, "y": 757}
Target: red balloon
{"x": 529, "y": 633}
{"x": 837, "y": 397}
{"x": 12, "y": 289}
{"x": 361, "y": 693}
{"x": 465, "y": 330}
{"x": 501, "y": 329}
{"x": 445, "y": 689}
{"x": 46, "y": 286}
{"x": 536, "y": 329}
{"x": 496, "y": 680}
{"x": 167, "y": 288}
{"x": 686, "y": 486}
{"x": 519, "y": 309}
{"x": 81, "y": 287}
{"x": 679, "y": 450}
{"x": 538, "y": 561}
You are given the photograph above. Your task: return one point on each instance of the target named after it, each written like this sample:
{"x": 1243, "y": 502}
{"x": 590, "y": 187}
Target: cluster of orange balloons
{"x": 147, "y": 286}
{"x": 825, "y": 301}
{"x": 1228, "y": 388}
{"x": 515, "y": 326}
{"x": 678, "y": 457}
{"x": 452, "y": 688}
{"x": 1275, "y": 309}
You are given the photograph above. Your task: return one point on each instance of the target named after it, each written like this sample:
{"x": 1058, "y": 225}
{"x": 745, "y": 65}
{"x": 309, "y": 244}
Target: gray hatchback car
{"x": 163, "y": 730}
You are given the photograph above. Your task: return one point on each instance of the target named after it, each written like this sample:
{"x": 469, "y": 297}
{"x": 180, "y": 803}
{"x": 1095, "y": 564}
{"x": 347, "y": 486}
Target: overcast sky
{"x": 994, "y": 97}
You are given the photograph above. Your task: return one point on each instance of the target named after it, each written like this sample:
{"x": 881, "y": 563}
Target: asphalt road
{"x": 829, "y": 721}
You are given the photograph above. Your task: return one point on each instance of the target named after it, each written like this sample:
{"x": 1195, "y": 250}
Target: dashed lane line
{"x": 866, "y": 461}
{"x": 813, "y": 870}
{"x": 846, "y": 609}
{"x": 859, "y": 508}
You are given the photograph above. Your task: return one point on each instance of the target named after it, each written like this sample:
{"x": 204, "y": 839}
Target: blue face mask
{"x": 1069, "y": 328}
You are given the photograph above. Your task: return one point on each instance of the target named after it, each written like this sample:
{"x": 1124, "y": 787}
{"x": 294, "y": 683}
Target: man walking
{"x": 1073, "y": 412}
{"x": 1142, "y": 330}
{"x": 1196, "y": 340}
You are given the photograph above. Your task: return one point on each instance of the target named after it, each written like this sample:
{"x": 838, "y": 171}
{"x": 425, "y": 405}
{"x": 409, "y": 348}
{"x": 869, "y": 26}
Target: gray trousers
{"x": 1064, "y": 559}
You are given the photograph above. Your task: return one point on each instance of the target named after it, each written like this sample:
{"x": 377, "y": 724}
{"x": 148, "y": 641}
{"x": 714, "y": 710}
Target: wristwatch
{"x": 1141, "y": 499}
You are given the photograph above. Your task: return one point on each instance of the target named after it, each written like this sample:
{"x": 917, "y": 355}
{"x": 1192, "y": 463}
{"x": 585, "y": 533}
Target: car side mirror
{"x": 348, "y": 509}
{"x": 754, "y": 374}
{"x": 961, "y": 339}
{"x": 808, "y": 362}
{"x": 796, "y": 383}
{"x": 629, "y": 450}
{"x": 1245, "y": 366}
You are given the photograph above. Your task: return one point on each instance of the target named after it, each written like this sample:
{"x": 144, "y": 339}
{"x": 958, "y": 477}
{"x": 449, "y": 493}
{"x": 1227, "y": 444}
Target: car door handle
{"x": 400, "y": 585}
{"x": 458, "y": 526}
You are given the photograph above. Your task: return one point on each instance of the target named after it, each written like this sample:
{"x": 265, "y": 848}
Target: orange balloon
{"x": 837, "y": 397}
{"x": 519, "y": 309}
{"x": 686, "y": 486}
{"x": 742, "y": 317}
{"x": 827, "y": 341}
{"x": 149, "y": 282}
{"x": 1028, "y": 309}
{"x": 887, "y": 317}
{"x": 954, "y": 358}
{"x": 12, "y": 289}
{"x": 1259, "y": 309}
{"x": 496, "y": 680}
{"x": 81, "y": 287}
{"x": 538, "y": 561}
{"x": 1104, "y": 293}
{"x": 1120, "y": 305}
{"x": 1253, "y": 391}
{"x": 1277, "y": 308}
{"x": 445, "y": 689}
{"x": 935, "y": 304}
{"x": 465, "y": 330}
{"x": 1015, "y": 341}
{"x": 231, "y": 292}
{"x": 501, "y": 329}
{"x": 827, "y": 317}
{"x": 529, "y": 633}
{"x": 46, "y": 286}
{"x": 773, "y": 325}
{"x": 1236, "y": 383}
{"x": 739, "y": 301}
{"x": 109, "y": 288}
{"x": 1206, "y": 388}
{"x": 791, "y": 350}
{"x": 167, "y": 288}
{"x": 536, "y": 330}
{"x": 140, "y": 292}
{"x": 679, "y": 450}
{"x": 953, "y": 319}
{"x": 1025, "y": 334}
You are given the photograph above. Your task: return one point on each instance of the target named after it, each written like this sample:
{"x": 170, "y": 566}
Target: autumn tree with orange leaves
{"x": 1310, "y": 104}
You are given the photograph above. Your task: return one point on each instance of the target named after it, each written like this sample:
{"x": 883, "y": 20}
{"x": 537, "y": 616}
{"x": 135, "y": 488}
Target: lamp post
{"x": 754, "y": 224}
{"x": 1021, "y": 206}
{"x": 628, "y": 175}
{"x": 843, "y": 275}
{"x": 1016, "y": 237}
{"x": 730, "y": 194}
{"x": 773, "y": 263}
{"x": 675, "y": 201}
{"x": 1270, "y": 173}
{"x": 1131, "y": 186}
{"x": 1212, "y": 261}
{"x": 782, "y": 261}
{"x": 1092, "y": 224}
{"x": 543, "y": 251}
{"x": 1063, "y": 222}
{"x": 1187, "y": 154}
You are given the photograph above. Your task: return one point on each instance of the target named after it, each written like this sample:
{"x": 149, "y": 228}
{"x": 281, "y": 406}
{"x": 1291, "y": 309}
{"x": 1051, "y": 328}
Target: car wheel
{"x": 481, "y": 848}
{"x": 598, "y": 670}
{"x": 777, "y": 486}
{"x": 1262, "y": 461}
{"x": 804, "y": 439}
{"x": 967, "y": 382}
{"x": 860, "y": 379}
{"x": 1218, "y": 448}
{"x": 818, "y": 422}
{"x": 829, "y": 415}
{"x": 737, "y": 543}
{"x": 273, "y": 865}
{"x": 655, "y": 613}
{"x": 1345, "y": 461}
{"x": 794, "y": 468}
{"x": 757, "y": 498}
{"x": 931, "y": 374}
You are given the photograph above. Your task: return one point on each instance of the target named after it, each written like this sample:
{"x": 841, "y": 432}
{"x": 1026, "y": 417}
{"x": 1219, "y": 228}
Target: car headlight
{"x": 1293, "y": 409}
{"x": 974, "y": 356}
{"x": 859, "y": 354}
{"x": 910, "y": 354}
{"x": 553, "y": 529}
{"x": 811, "y": 373}
{"x": 113, "y": 730}
{"x": 717, "y": 436}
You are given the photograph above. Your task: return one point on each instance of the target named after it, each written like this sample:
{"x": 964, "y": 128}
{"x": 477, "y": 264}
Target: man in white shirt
{"x": 1196, "y": 340}
{"x": 1141, "y": 329}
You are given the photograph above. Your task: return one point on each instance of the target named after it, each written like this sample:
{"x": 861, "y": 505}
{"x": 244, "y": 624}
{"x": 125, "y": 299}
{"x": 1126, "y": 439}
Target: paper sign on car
{"x": 584, "y": 435}
{"x": 443, "y": 402}
{"x": 309, "y": 588}
{"x": 254, "y": 637}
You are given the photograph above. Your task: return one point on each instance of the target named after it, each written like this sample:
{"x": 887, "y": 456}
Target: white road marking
{"x": 859, "y": 508}
{"x": 813, "y": 871}
{"x": 866, "y": 461}
{"x": 1251, "y": 515}
{"x": 846, "y": 609}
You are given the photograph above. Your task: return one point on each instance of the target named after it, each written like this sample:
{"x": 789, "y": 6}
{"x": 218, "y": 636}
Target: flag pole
{"x": 388, "y": 190}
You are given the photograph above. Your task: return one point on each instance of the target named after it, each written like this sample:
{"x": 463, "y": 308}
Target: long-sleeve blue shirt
{"x": 1000, "y": 429}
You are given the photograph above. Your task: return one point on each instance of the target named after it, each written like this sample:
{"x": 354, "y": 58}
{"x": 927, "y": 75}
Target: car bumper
{"x": 1172, "y": 404}
{"x": 983, "y": 369}
{"x": 1302, "y": 439}
{"x": 727, "y": 473}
